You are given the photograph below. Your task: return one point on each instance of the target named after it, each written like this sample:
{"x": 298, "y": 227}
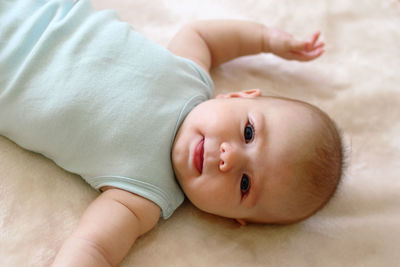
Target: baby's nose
{"x": 228, "y": 157}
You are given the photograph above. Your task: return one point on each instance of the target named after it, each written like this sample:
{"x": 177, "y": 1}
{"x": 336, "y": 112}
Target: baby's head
{"x": 258, "y": 159}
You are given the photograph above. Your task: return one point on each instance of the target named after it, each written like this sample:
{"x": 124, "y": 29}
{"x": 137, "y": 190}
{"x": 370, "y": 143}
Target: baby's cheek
{"x": 204, "y": 191}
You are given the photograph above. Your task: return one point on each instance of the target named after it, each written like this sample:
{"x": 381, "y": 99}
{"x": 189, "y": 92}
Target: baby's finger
{"x": 315, "y": 37}
{"x": 319, "y": 45}
{"x": 316, "y": 46}
{"x": 314, "y": 54}
{"x": 311, "y": 44}
{"x": 306, "y": 56}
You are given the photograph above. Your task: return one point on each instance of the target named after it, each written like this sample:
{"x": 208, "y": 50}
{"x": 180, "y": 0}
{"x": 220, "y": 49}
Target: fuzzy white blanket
{"x": 356, "y": 82}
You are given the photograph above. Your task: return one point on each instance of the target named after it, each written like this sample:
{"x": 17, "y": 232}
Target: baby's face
{"x": 236, "y": 157}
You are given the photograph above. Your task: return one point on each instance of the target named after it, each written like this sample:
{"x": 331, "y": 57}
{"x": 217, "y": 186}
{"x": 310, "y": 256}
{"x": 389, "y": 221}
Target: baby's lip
{"x": 198, "y": 157}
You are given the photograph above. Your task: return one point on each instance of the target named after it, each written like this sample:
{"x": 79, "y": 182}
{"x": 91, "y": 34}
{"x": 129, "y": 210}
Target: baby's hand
{"x": 286, "y": 46}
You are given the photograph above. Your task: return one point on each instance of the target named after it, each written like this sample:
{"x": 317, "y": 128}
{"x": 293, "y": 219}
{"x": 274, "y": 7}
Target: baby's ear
{"x": 244, "y": 94}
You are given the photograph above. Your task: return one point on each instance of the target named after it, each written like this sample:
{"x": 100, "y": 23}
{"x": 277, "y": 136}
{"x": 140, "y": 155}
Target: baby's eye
{"x": 244, "y": 184}
{"x": 248, "y": 133}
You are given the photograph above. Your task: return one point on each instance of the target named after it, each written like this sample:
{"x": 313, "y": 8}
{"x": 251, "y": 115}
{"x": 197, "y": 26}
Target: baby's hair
{"x": 322, "y": 168}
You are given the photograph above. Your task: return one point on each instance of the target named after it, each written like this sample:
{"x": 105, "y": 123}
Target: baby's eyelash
{"x": 249, "y": 132}
{"x": 245, "y": 185}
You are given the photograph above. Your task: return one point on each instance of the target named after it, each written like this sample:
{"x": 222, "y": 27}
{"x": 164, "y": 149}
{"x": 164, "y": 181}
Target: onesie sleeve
{"x": 205, "y": 77}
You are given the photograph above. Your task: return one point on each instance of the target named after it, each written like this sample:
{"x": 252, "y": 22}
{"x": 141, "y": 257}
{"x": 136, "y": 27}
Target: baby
{"x": 131, "y": 118}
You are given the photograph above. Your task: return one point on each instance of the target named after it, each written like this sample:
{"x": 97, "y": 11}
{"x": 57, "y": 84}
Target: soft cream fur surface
{"x": 356, "y": 82}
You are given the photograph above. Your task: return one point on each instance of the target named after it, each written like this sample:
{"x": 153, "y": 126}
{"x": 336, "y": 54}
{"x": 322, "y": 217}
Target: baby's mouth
{"x": 199, "y": 156}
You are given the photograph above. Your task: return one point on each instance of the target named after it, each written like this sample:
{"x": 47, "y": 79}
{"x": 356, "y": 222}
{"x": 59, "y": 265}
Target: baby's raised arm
{"x": 211, "y": 43}
{"x": 107, "y": 230}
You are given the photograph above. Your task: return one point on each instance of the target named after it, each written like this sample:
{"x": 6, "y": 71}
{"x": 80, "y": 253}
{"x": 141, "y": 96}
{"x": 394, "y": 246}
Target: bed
{"x": 356, "y": 82}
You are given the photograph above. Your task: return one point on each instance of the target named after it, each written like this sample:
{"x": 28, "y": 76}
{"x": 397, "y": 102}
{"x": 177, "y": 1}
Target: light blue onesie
{"x": 88, "y": 92}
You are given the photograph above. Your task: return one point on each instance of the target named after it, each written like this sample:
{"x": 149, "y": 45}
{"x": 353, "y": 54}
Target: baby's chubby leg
{"x": 108, "y": 229}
